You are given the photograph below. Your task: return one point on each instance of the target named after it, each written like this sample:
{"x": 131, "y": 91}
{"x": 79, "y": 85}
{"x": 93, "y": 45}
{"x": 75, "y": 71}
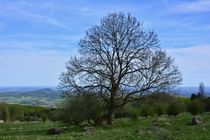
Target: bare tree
{"x": 121, "y": 61}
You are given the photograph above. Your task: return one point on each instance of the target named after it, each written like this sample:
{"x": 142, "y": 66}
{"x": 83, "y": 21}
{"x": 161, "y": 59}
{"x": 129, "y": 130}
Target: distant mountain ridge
{"x": 31, "y": 96}
{"x": 187, "y": 91}
{"x": 24, "y": 89}
{"x": 50, "y": 96}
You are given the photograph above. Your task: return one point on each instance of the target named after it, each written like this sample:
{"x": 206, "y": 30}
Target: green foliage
{"x": 34, "y": 113}
{"x": 4, "y": 112}
{"x": 129, "y": 110}
{"x": 16, "y": 112}
{"x": 44, "y": 117}
{"x": 159, "y": 98}
{"x": 147, "y": 110}
{"x": 161, "y": 108}
{"x": 207, "y": 102}
{"x": 197, "y": 106}
{"x": 81, "y": 109}
{"x": 155, "y": 104}
{"x": 175, "y": 108}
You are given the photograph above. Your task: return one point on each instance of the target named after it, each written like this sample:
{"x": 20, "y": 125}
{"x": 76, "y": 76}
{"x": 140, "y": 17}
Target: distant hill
{"x": 33, "y": 96}
{"x": 47, "y": 92}
{"x": 50, "y": 96}
{"x": 187, "y": 91}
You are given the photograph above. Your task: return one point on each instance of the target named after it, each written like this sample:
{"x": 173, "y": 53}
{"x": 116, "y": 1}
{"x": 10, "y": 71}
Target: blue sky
{"x": 37, "y": 37}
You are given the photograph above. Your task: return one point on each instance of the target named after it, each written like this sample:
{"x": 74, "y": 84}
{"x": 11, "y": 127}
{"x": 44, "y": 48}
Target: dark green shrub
{"x": 175, "y": 108}
{"x": 207, "y": 102}
{"x": 86, "y": 108}
{"x": 4, "y": 112}
{"x": 131, "y": 111}
{"x": 44, "y": 117}
{"x": 157, "y": 98}
{"x": 161, "y": 108}
{"x": 16, "y": 112}
{"x": 197, "y": 106}
{"x": 147, "y": 110}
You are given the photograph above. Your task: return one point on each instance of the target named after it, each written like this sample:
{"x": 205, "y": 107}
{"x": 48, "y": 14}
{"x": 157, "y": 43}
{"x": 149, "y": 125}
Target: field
{"x": 47, "y": 97}
{"x": 157, "y": 128}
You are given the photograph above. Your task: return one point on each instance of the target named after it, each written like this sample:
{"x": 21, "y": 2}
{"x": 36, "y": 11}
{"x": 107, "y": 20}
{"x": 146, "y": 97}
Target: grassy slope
{"x": 160, "y": 128}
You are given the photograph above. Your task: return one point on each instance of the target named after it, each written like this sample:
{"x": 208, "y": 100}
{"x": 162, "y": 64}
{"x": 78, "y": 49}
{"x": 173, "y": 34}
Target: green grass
{"x": 157, "y": 128}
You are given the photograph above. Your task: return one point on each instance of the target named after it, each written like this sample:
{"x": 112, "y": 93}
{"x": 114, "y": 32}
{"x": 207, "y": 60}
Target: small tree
{"x": 82, "y": 109}
{"x": 197, "y": 106}
{"x": 201, "y": 91}
{"x": 16, "y": 112}
{"x": 175, "y": 108}
{"x": 4, "y": 112}
{"x": 121, "y": 62}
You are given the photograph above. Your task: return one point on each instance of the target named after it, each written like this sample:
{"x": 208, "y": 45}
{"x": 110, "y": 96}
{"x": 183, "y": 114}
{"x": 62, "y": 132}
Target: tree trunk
{"x": 111, "y": 106}
{"x": 110, "y": 117}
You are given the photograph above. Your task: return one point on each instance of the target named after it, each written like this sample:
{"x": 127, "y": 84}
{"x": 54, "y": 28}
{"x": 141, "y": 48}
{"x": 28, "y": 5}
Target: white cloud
{"x": 194, "y": 6}
{"x": 42, "y": 18}
{"x": 193, "y": 63}
{"x": 201, "y": 50}
{"x": 36, "y": 46}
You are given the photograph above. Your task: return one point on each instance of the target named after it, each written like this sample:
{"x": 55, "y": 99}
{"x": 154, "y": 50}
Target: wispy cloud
{"x": 39, "y": 47}
{"x": 31, "y": 11}
{"x": 192, "y": 6}
{"x": 42, "y": 18}
{"x": 195, "y": 51}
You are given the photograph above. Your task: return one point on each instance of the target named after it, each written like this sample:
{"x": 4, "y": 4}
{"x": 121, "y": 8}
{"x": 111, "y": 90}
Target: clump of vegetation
{"x": 147, "y": 110}
{"x": 207, "y": 104}
{"x": 161, "y": 108}
{"x": 162, "y": 103}
{"x": 4, "y": 112}
{"x": 175, "y": 108}
{"x": 197, "y": 106}
{"x": 15, "y": 112}
{"x": 129, "y": 110}
{"x": 155, "y": 104}
{"x": 82, "y": 109}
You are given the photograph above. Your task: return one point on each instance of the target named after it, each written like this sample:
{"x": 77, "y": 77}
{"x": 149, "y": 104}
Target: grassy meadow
{"x": 145, "y": 128}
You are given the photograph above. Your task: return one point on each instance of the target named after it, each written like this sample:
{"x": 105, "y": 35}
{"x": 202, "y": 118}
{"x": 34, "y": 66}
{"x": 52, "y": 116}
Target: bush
{"x": 207, "y": 102}
{"x": 161, "y": 108}
{"x": 157, "y": 98}
{"x": 175, "y": 108}
{"x": 44, "y": 117}
{"x": 147, "y": 110}
{"x": 16, "y": 113}
{"x": 82, "y": 109}
{"x": 197, "y": 106}
{"x": 4, "y": 112}
{"x": 129, "y": 110}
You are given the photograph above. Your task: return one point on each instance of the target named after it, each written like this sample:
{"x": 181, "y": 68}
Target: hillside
{"x": 49, "y": 96}
{"x": 39, "y": 97}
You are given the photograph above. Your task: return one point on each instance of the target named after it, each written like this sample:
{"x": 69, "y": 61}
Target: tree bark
{"x": 111, "y": 107}
{"x": 110, "y": 118}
